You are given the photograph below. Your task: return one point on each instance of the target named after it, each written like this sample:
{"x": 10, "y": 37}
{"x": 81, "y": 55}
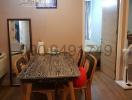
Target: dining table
{"x": 50, "y": 66}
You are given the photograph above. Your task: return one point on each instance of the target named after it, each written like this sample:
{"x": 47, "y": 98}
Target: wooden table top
{"x": 50, "y": 66}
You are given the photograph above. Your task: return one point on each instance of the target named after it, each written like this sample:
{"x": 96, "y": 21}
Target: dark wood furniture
{"x": 80, "y": 55}
{"x": 97, "y": 55}
{"x": 129, "y": 37}
{"x": 50, "y": 67}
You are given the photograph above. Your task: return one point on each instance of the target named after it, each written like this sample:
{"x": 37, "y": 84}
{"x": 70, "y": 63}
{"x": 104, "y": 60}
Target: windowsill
{"x": 88, "y": 49}
{"x": 91, "y": 46}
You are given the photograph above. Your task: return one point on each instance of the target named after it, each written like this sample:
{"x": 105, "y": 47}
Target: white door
{"x": 109, "y": 37}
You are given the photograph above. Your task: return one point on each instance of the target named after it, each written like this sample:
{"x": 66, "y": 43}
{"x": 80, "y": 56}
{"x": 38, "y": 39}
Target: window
{"x": 88, "y": 8}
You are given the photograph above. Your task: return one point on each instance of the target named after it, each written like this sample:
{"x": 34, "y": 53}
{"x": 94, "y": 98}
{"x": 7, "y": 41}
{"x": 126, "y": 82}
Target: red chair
{"x": 82, "y": 83}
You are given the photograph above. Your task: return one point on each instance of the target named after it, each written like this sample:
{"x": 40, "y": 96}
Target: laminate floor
{"x": 103, "y": 88}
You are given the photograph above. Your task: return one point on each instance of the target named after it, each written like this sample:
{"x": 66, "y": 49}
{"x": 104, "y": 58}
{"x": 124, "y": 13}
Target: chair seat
{"x": 84, "y": 86}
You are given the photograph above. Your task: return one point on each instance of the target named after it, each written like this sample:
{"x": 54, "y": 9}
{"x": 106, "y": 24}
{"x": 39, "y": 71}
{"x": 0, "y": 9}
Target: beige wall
{"x": 54, "y": 26}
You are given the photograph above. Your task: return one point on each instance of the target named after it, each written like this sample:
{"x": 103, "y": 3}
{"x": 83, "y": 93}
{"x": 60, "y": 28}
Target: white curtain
{"x": 87, "y": 20}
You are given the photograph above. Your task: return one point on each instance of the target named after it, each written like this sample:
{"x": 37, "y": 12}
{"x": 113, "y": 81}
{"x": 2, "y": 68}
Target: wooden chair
{"x": 90, "y": 65}
{"x": 80, "y": 57}
{"x": 90, "y": 72}
{"x": 19, "y": 62}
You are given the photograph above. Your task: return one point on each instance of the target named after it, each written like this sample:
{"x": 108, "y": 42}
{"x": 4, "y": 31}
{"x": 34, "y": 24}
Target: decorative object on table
{"x": 46, "y": 4}
{"x": 40, "y": 48}
{"x": 49, "y": 50}
{"x": 54, "y": 50}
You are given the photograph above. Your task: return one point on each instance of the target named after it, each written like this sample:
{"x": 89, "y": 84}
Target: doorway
{"x": 100, "y": 32}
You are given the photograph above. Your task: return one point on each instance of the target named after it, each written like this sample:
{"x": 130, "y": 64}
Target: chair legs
{"x": 71, "y": 90}
{"x": 27, "y": 89}
{"x": 65, "y": 93}
{"x": 50, "y": 96}
{"x": 88, "y": 95}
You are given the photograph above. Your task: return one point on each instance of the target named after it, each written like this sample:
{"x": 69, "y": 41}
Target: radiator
{"x": 130, "y": 73}
{"x": 3, "y": 65}
{"x": 130, "y": 66}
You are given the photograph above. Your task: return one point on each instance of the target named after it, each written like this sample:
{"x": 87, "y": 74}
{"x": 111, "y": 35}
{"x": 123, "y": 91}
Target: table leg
{"x": 65, "y": 93}
{"x": 72, "y": 93}
{"x": 26, "y": 91}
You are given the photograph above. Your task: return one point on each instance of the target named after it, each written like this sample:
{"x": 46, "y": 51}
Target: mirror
{"x": 19, "y": 35}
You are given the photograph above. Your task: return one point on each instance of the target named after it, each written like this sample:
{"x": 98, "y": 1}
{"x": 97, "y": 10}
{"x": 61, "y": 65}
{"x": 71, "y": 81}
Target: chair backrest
{"x": 20, "y": 62}
{"x": 82, "y": 59}
{"x": 79, "y": 59}
{"x": 90, "y": 65}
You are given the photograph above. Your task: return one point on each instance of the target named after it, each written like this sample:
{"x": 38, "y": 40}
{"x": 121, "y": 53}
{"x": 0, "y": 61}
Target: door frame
{"x": 122, "y": 36}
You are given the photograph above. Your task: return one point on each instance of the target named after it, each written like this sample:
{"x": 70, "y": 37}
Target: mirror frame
{"x": 9, "y": 46}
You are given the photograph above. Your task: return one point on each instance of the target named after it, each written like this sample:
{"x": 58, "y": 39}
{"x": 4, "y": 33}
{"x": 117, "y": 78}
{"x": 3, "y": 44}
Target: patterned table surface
{"x": 50, "y": 66}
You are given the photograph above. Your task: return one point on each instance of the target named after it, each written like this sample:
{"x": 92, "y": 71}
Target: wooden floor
{"x": 103, "y": 88}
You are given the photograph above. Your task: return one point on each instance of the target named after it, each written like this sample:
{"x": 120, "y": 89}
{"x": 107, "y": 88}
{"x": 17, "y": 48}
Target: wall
{"x": 130, "y": 17}
{"x": 54, "y": 26}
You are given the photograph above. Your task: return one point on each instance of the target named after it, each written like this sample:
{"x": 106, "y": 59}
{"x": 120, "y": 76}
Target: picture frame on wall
{"x": 42, "y": 4}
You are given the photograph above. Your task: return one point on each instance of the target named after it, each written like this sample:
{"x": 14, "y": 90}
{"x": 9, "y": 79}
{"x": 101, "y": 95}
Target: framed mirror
{"x": 19, "y": 36}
